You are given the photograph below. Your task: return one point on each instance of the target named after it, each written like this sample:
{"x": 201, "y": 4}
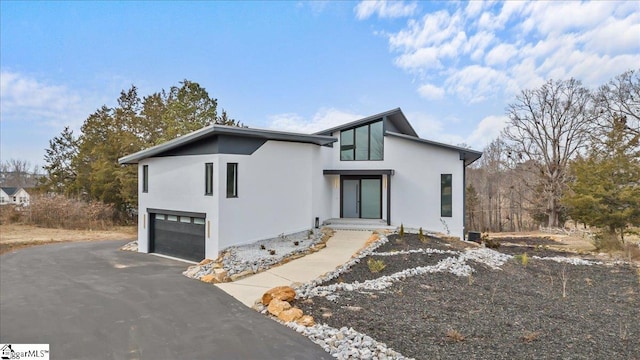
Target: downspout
{"x": 389, "y": 199}
{"x": 464, "y": 201}
{"x": 464, "y": 196}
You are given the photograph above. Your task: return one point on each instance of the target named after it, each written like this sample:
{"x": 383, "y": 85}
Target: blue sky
{"x": 303, "y": 66}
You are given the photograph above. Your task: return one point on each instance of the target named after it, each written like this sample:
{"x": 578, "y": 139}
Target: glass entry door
{"x": 361, "y": 197}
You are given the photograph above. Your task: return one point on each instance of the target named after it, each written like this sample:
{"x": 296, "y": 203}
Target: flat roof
{"x": 359, "y": 172}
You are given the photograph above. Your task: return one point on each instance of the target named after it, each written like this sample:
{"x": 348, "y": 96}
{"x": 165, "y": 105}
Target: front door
{"x": 351, "y": 198}
{"x": 361, "y": 197}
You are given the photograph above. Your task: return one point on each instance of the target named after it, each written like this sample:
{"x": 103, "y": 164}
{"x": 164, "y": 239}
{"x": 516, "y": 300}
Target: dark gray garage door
{"x": 181, "y": 236}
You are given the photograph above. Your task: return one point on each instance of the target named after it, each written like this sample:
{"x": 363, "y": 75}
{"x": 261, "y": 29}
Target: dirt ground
{"x": 13, "y": 236}
{"x": 574, "y": 243}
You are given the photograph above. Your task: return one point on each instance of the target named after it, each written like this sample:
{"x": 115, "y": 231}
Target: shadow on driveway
{"x": 92, "y": 301}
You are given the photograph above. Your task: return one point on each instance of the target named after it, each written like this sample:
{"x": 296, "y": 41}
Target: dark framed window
{"x": 446, "y": 203}
{"x": 364, "y": 142}
{"x": 208, "y": 179}
{"x": 346, "y": 145}
{"x": 232, "y": 180}
{"x": 145, "y": 178}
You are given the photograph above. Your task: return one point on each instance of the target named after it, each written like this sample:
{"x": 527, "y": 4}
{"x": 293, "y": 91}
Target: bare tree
{"x": 18, "y": 173}
{"x": 619, "y": 99}
{"x": 548, "y": 126}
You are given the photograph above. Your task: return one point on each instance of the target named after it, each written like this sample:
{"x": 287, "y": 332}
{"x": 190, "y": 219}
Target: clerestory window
{"x": 364, "y": 142}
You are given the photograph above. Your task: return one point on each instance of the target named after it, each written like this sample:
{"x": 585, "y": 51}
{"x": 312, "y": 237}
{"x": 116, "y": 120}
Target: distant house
{"x": 14, "y": 196}
{"x": 222, "y": 186}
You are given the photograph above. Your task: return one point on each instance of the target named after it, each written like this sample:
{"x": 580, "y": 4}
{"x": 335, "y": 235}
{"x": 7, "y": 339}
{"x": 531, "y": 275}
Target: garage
{"x": 178, "y": 234}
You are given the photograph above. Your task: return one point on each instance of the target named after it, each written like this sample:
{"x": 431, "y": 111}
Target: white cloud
{"x": 614, "y": 36}
{"x": 491, "y": 50}
{"x": 500, "y": 54}
{"x": 432, "y": 29}
{"x": 325, "y": 118}
{"x": 384, "y": 9}
{"x": 425, "y": 59}
{"x": 23, "y": 98}
{"x": 18, "y": 91}
{"x": 487, "y": 130}
{"x": 431, "y": 92}
{"x": 475, "y": 83}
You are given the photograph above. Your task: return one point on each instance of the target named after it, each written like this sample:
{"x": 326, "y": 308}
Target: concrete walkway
{"x": 340, "y": 247}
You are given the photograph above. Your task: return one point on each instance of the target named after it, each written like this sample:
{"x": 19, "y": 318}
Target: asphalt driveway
{"x": 92, "y": 301}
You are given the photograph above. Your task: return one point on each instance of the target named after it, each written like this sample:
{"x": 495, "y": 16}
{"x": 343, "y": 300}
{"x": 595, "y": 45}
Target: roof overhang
{"x": 363, "y": 172}
{"x": 395, "y": 116}
{"x": 468, "y": 155}
{"x": 213, "y": 130}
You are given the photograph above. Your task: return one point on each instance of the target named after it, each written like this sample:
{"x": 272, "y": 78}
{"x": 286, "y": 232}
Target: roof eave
{"x": 225, "y": 130}
{"x": 397, "y": 111}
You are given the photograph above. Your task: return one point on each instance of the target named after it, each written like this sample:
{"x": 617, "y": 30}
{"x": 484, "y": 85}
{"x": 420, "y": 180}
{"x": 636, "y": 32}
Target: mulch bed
{"x": 520, "y": 311}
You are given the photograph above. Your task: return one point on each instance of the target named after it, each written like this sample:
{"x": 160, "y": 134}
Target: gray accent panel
{"x": 219, "y": 144}
{"x": 200, "y": 147}
{"x": 177, "y": 213}
{"x": 239, "y": 145}
{"x": 390, "y": 126}
{"x": 214, "y": 130}
{"x": 359, "y": 172}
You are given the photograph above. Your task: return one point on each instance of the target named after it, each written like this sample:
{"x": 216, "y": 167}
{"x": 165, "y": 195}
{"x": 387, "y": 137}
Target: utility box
{"x": 474, "y": 236}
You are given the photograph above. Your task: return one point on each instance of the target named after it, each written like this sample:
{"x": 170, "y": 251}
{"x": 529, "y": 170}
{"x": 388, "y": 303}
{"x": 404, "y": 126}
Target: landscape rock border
{"x": 130, "y": 246}
{"x": 237, "y": 262}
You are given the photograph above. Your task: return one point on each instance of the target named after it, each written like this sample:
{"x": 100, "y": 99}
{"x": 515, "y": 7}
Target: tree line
{"x": 567, "y": 152}
{"x": 86, "y": 165}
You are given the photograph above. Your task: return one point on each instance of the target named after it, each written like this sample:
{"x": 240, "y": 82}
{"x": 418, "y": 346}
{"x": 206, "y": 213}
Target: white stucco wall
{"x": 415, "y": 186}
{"x": 282, "y": 189}
{"x": 275, "y": 192}
{"x": 177, "y": 183}
{"x": 322, "y": 187}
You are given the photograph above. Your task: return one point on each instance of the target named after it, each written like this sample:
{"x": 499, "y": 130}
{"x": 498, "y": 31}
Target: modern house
{"x": 222, "y": 186}
{"x": 14, "y": 195}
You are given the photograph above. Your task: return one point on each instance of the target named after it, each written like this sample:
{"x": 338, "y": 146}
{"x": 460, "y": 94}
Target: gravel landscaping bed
{"x": 243, "y": 260}
{"x": 476, "y": 303}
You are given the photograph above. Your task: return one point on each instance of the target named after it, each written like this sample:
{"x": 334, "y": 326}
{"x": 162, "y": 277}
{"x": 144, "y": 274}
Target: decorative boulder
{"x": 292, "y": 314}
{"x": 306, "y": 320}
{"x": 210, "y": 278}
{"x": 284, "y": 293}
{"x": 276, "y": 307}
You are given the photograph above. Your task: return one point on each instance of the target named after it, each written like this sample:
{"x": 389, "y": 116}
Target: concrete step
{"x": 357, "y": 224}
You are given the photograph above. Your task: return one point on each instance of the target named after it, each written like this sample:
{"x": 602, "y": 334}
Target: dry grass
{"x": 631, "y": 251}
{"x": 454, "y": 335}
{"x": 16, "y": 236}
{"x": 531, "y": 336}
{"x": 60, "y": 212}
